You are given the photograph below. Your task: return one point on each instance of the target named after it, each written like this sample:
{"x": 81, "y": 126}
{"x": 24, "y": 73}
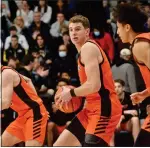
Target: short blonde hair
{"x": 80, "y": 19}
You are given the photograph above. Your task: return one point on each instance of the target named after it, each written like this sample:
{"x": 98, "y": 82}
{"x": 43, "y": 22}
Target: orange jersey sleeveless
{"x": 107, "y": 90}
{"x": 143, "y": 68}
{"x": 24, "y": 98}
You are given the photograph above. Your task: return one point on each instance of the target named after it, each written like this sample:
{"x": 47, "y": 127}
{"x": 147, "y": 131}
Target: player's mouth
{"x": 75, "y": 38}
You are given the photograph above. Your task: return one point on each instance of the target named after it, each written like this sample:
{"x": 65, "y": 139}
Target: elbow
{"x": 5, "y": 105}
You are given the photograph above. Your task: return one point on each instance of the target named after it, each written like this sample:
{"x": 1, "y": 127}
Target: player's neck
{"x": 132, "y": 36}
{"x": 79, "y": 46}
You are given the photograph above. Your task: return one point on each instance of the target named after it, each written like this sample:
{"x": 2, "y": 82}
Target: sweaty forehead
{"x": 75, "y": 25}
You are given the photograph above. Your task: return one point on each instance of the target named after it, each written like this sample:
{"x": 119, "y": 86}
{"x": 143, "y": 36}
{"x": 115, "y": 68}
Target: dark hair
{"x": 65, "y": 33}
{"x": 15, "y": 36}
{"x": 39, "y": 35}
{"x": 132, "y": 15}
{"x": 12, "y": 58}
{"x": 45, "y": 7}
{"x": 27, "y": 59}
{"x": 64, "y": 80}
{"x": 12, "y": 28}
{"x": 120, "y": 81}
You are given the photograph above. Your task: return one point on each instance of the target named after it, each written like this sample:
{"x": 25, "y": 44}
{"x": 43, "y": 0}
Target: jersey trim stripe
{"x": 19, "y": 90}
{"x": 105, "y": 99}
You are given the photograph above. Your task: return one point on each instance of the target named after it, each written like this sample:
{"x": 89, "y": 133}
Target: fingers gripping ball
{"x": 73, "y": 105}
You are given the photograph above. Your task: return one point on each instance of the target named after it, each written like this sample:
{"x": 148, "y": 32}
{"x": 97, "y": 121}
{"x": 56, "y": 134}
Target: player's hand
{"x": 64, "y": 97}
{"x": 132, "y": 112}
{"x": 137, "y": 97}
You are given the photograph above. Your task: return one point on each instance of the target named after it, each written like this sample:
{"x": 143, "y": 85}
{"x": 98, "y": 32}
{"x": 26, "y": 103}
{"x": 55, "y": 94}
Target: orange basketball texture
{"x": 73, "y": 105}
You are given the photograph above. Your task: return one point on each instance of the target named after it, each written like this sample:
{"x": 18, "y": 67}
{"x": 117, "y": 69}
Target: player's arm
{"x": 141, "y": 51}
{"x": 7, "y": 88}
{"x": 90, "y": 56}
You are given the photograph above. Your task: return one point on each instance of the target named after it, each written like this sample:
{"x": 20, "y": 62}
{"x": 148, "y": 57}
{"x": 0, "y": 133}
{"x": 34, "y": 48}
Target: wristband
{"x": 72, "y": 93}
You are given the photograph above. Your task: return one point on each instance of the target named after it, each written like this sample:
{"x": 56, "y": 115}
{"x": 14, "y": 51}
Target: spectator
{"x": 25, "y": 12}
{"x": 15, "y": 50}
{"x": 64, "y": 63}
{"x": 105, "y": 41}
{"x": 21, "y": 39}
{"x": 57, "y": 27}
{"x": 39, "y": 26}
{"x": 72, "y": 51}
{"x": 129, "y": 120}
{"x": 5, "y": 9}
{"x": 27, "y": 66}
{"x": 22, "y": 29}
{"x": 106, "y": 6}
{"x": 59, "y": 6}
{"x": 46, "y": 11}
{"x": 43, "y": 49}
{"x": 13, "y": 62}
{"x": 124, "y": 70}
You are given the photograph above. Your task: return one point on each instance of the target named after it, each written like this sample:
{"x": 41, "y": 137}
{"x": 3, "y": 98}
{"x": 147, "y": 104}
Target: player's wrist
{"x": 146, "y": 93}
{"x": 72, "y": 93}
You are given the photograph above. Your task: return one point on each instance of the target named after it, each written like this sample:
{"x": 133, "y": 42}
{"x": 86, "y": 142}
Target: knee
{"x": 5, "y": 143}
{"x": 94, "y": 141}
{"x": 135, "y": 120}
{"x": 50, "y": 126}
{"x": 55, "y": 144}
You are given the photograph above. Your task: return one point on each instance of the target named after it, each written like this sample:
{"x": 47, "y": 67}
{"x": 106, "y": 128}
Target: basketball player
{"x": 19, "y": 94}
{"x": 130, "y": 22}
{"x": 96, "y": 123}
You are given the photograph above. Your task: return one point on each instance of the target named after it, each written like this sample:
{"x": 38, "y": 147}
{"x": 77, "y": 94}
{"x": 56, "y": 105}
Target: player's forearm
{"x": 86, "y": 89}
{"x": 146, "y": 92}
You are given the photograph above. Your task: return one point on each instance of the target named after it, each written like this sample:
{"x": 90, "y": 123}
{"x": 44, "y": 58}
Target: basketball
{"x": 73, "y": 105}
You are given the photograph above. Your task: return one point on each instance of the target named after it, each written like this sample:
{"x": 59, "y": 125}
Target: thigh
{"x": 12, "y": 135}
{"x": 35, "y": 131}
{"x": 67, "y": 139}
{"x": 78, "y": 125}
{"x": 33, "y": 143}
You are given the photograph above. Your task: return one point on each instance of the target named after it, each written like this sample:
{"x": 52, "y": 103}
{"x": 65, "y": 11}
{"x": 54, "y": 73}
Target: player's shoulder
{"x": 90, "y": 47}
{"x": 8, "y": 73}
{"x": 141, "y": 44}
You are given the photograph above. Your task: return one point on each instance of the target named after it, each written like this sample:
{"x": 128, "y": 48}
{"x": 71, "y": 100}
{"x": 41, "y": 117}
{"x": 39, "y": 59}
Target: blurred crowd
{"x": 35, "y": 42}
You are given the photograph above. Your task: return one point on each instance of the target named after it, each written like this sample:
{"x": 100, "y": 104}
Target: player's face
{"x": 119, "y": 88}
{"x": 78, "y": 33}
{"x": 122, "y": 31}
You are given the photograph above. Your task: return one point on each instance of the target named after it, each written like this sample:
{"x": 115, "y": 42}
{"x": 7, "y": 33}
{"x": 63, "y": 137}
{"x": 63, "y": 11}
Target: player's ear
{"x": 127, "y": 27}
{"x": 88, "y": 31}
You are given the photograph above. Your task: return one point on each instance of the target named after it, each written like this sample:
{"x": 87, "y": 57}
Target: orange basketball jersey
{"x": 107, "y": 93}
{"x": 24, "y": 98}
{"x": 143, "y": 68}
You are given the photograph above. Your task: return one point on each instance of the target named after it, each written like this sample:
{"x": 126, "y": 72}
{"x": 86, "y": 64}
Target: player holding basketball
{"x": 96, "y": 123}
{"x": 130, "y": 24}
{"x": 19, "y": 94}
